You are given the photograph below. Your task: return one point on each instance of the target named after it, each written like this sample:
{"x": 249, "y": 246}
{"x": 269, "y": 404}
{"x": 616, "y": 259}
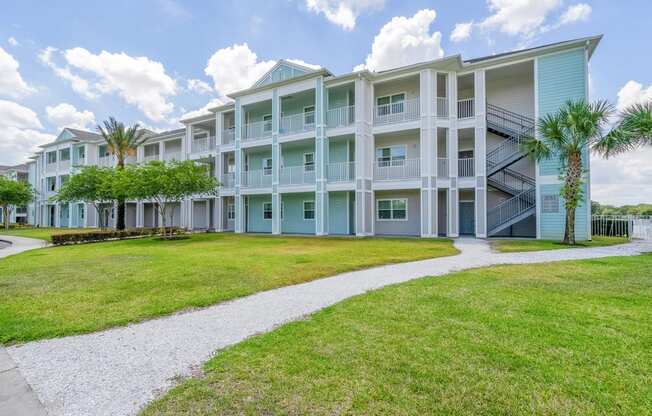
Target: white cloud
{"x": 575, "y": 13}
{"x": 199, "y": 86}
{"x": 624, "y": 179}
{"x": 78, "y": 84}
{"x": 11, "y": 82}
{"x": 461, "y": 32}
{"x": 404, "y": 41}
{"x": 633, "y": 93}
{"x": 235, "y": 68}
{"x": 19, "y": 129}
{"x": 344, "y": 13}
{"x": 66, "y": 115}
{"x": 12, "y": 41}
{"x": 518, "y": 17}
{"x": 215, "y": 102}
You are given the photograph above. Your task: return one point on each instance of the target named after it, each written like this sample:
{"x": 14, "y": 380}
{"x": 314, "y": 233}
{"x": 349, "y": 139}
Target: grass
{"x": 561, "y": 338}
{"x": 41, "y": 233}
{"x": 513, "y": 246}
{"x": 66, "y": 290}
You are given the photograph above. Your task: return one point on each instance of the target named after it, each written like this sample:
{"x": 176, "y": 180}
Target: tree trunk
{"x": 6, "y": 216}
{"x": 572, "y": 194}
{"x": 120, "y": 218}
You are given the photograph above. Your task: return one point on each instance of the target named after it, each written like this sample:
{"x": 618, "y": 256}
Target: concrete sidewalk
{"x": 16, "y": 396}
{"x": 18, "y": 244}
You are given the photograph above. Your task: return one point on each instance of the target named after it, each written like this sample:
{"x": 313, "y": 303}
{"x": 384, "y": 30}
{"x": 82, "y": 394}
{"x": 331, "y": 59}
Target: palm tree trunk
{"x": 120, "y": 219}
{"x": 572, "y": 193}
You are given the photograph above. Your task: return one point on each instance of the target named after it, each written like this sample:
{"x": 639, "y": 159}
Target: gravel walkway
{"x": 116, "y": 372}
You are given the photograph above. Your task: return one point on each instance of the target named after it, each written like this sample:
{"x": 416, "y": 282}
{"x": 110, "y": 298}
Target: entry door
{"x": 467, "y": 217}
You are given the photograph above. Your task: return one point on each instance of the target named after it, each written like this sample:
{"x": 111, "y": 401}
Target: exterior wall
{"x": 340, "y": 151}
{"x": 293, "y": 221}
{"x": 552, "y": 224}
{"x": 410, "y": 86}
{"x": 293, "y": 155}
{"x": 411, "y": 226}
{"x": 340, "y": 212}
{"x": 411, "y": 142}
{"x": 255, "y": 221}
{"x": 513, "y": 93}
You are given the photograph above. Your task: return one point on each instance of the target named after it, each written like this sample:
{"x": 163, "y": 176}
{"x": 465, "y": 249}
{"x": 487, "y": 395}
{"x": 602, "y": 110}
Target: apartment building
{"x": 17, "y": 215}
{"x": 430, "y": 149}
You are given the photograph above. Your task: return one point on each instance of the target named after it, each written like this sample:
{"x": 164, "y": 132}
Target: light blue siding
{"x": 255, "y": 221}
{"x": 338, "y": 213}
{"x": 280, "y": 73}
{"x": 553, "y": 224}
{"x": 338, "y": 151}
{"x": 293, "y": 221}
{"x": 293, "y": 155}
{"x": 255, "y": 159}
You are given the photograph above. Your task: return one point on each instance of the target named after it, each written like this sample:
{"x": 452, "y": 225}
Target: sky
{"x": 75, "y": 63}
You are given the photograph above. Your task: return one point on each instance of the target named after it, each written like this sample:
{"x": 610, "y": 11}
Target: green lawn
{"x": 571, "y": 338}
{"x": 41, "y": 233}
{"x": 64, "y": 290}
{"x": 512, "y": 246}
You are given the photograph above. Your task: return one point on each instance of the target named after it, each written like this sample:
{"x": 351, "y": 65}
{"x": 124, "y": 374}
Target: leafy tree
{"x": 633, "y": 130}
{"x": 168, "y": 184}
{"x": 101, "y": 187}
{"x": 576, "y": 127}
{"x": 12, "y": 194}
{"x": 122, "y": 142}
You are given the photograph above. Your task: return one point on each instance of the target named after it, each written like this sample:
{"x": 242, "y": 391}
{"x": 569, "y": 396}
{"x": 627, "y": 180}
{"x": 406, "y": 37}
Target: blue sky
{"x": 160, "y": 45}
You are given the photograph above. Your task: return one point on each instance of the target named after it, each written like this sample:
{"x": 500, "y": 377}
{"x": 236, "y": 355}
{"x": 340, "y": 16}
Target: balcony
{"x": 466, "y": 167}
{"x": 297, "y": 175}
{"x": 442, "y": 167}
{"x": 442, "y": 107}
{"x": 228, "y": 180}
{"x": 261, "y": 178}
{"x": 397, "y": 169}
{"x": 398, "y": 112}
{"x": 228, "y": 135}
{"x": 172, "y": 156}
{"x": 465, "y": 108}
{"x": 298, "y": 123}
{"x": 149, "y": 158}
{"x": 106, "y": 161}
{"x": 51, "y": 167}
{"x": 341, "y": 172}
{"x": 340, "y": 117}
{"x": 257, "y": 130}
{"x": 201, "y": 145}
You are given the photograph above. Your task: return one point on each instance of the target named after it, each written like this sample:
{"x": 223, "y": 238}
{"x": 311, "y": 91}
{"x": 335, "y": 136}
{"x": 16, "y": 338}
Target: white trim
{"x": 314, "y": 210}
{"x": 313, "y": 161}
{"x": 391, "y": 209}
{"x": 393, "y": 146}
{"x": 271, "y": 169}
{"x": 537, "y": 173}
{"x": 588, "y": 158}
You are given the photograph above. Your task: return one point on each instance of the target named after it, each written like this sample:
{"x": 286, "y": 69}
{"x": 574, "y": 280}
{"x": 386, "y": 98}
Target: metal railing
{"x": 397, "y": 169}
{"x": 630, "y": 226}
{"x": 340, "y": 117}
{"x": 515, "y": 181}
{"x": 505, "y": 150}
{"x": 465, "y": 108}
{"x": 228, "y": 135}
{"x": 297, "y": 123}
{"x": 341, "y": 172}
{"x": 64, "y": 164}
{"x": 257, "y": 130}
{"x": 442, "y": 167}
{"x": 106, "y": 161}
{"x": 509, "y": 121}
{"x": 511, "y": 208}
{"x": 170, "y": 156}
{"x": 204, "y": 144}
{"x": 442, "y": 107}
{"x": 297, "y": 175}
{"x": 149, "y": 158}
{"x": 466, "y": 167}
{"x": 399, "y": 112}
{"x": 260, "y": 178}
{"x": 51, "y": 167}
{"x": 228, "y": 180}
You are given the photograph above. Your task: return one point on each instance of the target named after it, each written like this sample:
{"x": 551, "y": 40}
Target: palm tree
{"x": 122, "y": 142}
{"x": 568, "y": 134}
{"x": 633, "y": 130}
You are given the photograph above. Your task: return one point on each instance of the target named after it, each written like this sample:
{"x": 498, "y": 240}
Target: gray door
{"x": 467, "y": 217}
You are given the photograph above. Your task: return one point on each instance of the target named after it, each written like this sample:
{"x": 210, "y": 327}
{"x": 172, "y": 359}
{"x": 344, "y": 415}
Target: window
{"x": 104, "y": 151}
{"x": 309, "y": 115}
{"x": 308, "y": 210}
{"x": 51, "y": 183}
{"x": 267, "y": 123}
{"x": 230, "y": 212}
{"x": 267, "y": 211}
{"x": 81, "y": 152}
{"x": 267, "y": 166}
{"x": 51, "y": 157}
{"x": 390, "y": 156}
{"x": 64, "y": 154}
{"x": 391, "y": 209}
{"x": 390, "y": 104}
{"x": 309, "y": 162}
{"x": 550, "y": 204}
{"x": 63, "y": 179}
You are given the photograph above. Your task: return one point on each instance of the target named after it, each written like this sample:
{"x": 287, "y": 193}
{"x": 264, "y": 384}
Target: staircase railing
{"x": 511, "y": 209}
{"x": 516, "y": 182}
{"x": 508, "y": 120}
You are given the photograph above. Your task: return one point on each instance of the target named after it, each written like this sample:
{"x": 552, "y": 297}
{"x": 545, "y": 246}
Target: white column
{"x": 240, "y": 225}
{"x": 218, "y": 222}
{"x": 321, "y": 160}
{"x": 364, "y": 197}
{"x": 276, "y": 163}
{"x": 480, "y": 153}
{"x": 453, "y": 205}
{"x": 140, "y": 214}
{"x": 428, "y": 152}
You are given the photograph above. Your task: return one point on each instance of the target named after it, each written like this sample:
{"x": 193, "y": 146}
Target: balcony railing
{"x": 228, "y": 180}
{"x": 466, "y": 167}
{"x": 399, "y": 112}
{"x": 442, "y": 107}
{"x": 64, "y": 164}
{"x": 51, "y": 167}
{"x": 79, "y": 161}
{"x": 442, "y": 167}
{"x": 170, "y": 156}
{"x": 149, "y": 158}
{"x": 396, "y": 169}
{"x": 257, "y": 130}
{"x": 204, "y": 144}
{"x": 228, "y": 135}
{"x": 340, "y": 117}
{"x": 297, "y": 175}
{"x": 256, "y": 179}
{"x": 465, "y": 108}
{"x": 341, "y": 172}
{"x": 106, "y": 161}
{"x": 298, "y": 123}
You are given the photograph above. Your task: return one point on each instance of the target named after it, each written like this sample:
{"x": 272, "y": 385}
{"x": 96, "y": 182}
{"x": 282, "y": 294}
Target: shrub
{"x": 103, "y": 235}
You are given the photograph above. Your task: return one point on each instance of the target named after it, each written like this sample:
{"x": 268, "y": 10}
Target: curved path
{"x": 117, "y": 371}
{"x": 14, "y": 245}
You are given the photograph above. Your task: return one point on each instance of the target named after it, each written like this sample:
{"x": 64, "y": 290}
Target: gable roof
{"x": 282, "y": 71}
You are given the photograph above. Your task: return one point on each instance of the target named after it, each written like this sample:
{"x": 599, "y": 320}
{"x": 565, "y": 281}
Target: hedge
{"x": 102, "y": 235}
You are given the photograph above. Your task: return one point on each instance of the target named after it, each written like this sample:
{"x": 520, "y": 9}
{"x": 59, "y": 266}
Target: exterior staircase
{"x": 515, "y": 128}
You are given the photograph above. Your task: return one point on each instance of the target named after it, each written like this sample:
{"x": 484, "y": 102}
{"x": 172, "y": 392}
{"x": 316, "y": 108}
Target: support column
{"x": 453, "y": 204}
{"x": 240, "y": 225}
{"x": 321, "y": 160}
{"x": 428, "y": 146}
{"x": 218, "y": 214}
{"x": 480, "y": 153}
{"x": 364, "y": 153}
{"x": 140, "y": 214}
{"x": 276, "y": 163}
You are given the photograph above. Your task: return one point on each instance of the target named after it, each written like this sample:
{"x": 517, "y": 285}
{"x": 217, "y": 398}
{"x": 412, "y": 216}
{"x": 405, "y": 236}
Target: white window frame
{"x": 378, "y": 201}
{"x": 309, "y": 167}
{"x": 267, "y": 171}
{"x": 391, "y": 107}
{"x": 305, "y": 114}
{"x": 314, "y": 210}
{"x": 392, "y": 161}
{"x": 271, "y": 122}
{"x": 546, "y": 207}
{"x": 272, "y": 211}
{"x": 230, "y": 209}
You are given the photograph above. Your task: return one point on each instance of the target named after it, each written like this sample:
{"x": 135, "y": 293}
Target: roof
{"x": 84, "y": 134}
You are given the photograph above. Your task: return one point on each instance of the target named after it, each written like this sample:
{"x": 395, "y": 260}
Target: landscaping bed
{"x": 514, "y": 246}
